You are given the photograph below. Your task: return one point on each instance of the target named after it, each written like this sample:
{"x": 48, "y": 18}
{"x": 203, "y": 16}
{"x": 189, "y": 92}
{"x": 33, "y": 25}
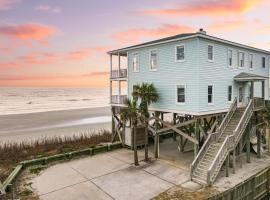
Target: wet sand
{"x": 25, "y": 127}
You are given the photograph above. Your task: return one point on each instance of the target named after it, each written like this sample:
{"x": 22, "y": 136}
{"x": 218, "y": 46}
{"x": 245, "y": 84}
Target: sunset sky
{"x": 64, "y": 42}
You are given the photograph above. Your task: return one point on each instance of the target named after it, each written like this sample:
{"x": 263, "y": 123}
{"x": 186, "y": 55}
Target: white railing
{"x": 210, "y": 139}
{"x": 118, "y": 99}
{"x": 229, "y": 143}
{"x": 214, "y": 168}
{"x": 258, "y": 103}
{"x": 240, "y": 128}
{"x": 122, "y": 73}
{"x": 227, "y": 118}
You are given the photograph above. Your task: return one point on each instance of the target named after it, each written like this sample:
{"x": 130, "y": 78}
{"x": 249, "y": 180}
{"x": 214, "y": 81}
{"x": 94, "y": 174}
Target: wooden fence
{"x": 255, "y": 188}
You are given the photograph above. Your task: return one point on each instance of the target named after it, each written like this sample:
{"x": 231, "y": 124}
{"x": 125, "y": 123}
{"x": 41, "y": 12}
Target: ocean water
{"x": 30, "y": 100}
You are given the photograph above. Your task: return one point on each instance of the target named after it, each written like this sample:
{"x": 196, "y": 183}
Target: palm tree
{"x": 130, "y": 112}
{"x": 147, "y": 94}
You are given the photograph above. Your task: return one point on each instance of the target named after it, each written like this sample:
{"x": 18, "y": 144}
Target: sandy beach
{"x": 25, "y": 127}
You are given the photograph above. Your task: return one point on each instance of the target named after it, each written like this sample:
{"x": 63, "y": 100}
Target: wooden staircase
{"x": 217, "y": 146}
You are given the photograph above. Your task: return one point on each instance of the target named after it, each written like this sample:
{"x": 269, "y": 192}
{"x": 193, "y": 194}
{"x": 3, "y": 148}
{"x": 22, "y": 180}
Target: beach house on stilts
{"x": 215, "y": 86}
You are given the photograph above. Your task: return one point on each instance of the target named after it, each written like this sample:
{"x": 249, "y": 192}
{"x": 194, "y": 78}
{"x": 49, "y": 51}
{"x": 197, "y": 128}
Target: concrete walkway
{"x": 109, "y": 176}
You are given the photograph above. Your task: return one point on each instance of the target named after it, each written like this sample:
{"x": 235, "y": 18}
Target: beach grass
{"x": 13, "y": 153}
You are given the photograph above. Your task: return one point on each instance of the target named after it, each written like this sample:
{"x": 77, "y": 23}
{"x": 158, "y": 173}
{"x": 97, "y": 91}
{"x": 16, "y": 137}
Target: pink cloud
{"x": 137, "y": 34}
{"x": 7, "y": 4}
{"x": 227, "y": 25}
{"x": 79, "y": 54}
{"x": 28, "y": 32}
{"x": 48, "y": 8}
{"x": 6, "y": 65}
{"x": 206, "y": 7}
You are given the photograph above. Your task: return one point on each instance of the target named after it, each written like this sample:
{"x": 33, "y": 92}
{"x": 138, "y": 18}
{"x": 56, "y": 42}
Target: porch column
{"x": 263, "y": 85}
{"x": 227, "y": 165}
{"x": 110, "y": 77}
{"x": 119, "y": 82}
{"x": 119, "y": 62}
{"x": 197, "y": 135}
{"x": 249, "y": 128}
{"x": 252, "y": 90}
{"x": 174, "y": 122}
{"x": 156, "y": 136}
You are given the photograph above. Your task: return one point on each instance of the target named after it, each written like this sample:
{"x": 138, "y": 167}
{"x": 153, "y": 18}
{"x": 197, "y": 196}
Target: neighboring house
{"x": 195, "y": 73}
{"x": 198, "y": 78}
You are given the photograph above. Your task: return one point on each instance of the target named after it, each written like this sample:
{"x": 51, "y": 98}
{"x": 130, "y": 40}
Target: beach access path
{"x": 31, "y": 126}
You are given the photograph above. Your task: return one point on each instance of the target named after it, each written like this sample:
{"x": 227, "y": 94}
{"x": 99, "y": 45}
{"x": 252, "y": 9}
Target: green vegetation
{"x": 11, "y": 154}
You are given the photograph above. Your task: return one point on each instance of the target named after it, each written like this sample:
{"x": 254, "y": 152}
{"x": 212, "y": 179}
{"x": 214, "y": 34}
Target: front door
{"x": 241, "y": 96}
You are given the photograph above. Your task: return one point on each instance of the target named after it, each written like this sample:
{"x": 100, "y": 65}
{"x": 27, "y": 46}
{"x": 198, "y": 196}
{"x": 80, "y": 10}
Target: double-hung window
{"x": 229, "y": 93}
{"x": 135, "y": 62}
{"x": 210, "y": 94}
{"x": 230, "y": 57}
{"x": 241, "y": 58}
{"x": 181, "y": 94}
{"x": 251, "y": 61}
{"x": 180, "y": 53}
{"x": 210, "y": 53}
{"x": 263, "y": 62}
{"x": 153, "y": 60}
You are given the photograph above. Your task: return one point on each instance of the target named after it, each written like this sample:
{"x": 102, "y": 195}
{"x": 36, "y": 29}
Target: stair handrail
{"x": 227, "y": 144}
{"x": 227, "y": 117}
{"x": 243, "y": 121}
{"x": 210, "y": 138}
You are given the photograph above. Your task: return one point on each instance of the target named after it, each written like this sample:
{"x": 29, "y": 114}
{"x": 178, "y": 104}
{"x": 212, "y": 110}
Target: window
{"x": 241, "y": 57}
{"x": 135, "y": 63}
{"x": 181, "y": 93}
{"x": 251, "y": 61}
{"x": 210, "y": 94}
{"x": 153, "y": 60}
{"x": 230, "y": 57}
{"x": 180, "y": 53}
{"x": 263, "y": 62}
{"x": 210, "y": 53}
{"x": 229, "y": 93}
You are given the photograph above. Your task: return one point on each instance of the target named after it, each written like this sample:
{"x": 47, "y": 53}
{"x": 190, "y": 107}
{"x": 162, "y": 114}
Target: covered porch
{"x": 250, "y": 86}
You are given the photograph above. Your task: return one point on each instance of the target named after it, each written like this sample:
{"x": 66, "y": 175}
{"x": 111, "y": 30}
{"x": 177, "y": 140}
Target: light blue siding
{"x": 221, "y": 75}
{"x": 169, "y": 73}
{"x": 196, "y": 73}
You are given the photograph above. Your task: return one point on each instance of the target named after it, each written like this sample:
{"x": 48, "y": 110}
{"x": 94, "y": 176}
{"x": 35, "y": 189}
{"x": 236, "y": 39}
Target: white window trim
{"x": 228, "y": 94}
{"x": 250, "y": 60}
{"x": 213, "y": 90}
{"x": 238, "y": 63}
{"x": 229, "y": 49}
{"x": 176, "y": 95}
{"x": 175, "y": 53}
{"x": 152, "y": 70}
{"x": 138, "y": 62}
{"x": 213, "y": 53}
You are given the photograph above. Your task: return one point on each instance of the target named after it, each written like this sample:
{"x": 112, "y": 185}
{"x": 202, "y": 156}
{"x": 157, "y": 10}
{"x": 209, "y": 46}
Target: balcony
{"x": 117, "y": 74}
{"x": 118, "y": 99}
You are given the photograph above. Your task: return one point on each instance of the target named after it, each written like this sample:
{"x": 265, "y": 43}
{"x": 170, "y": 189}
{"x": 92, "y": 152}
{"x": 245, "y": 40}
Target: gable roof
{"x": 243, "y": 76}
{"x": 185, "y": 36}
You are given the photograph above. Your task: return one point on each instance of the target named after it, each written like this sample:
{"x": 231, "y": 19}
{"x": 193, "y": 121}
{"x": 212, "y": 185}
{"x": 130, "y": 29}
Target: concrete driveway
{"x": 108, "y": 176}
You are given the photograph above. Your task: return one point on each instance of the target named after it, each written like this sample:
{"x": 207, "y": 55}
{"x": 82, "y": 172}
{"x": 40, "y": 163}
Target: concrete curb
{"x": 65, "y": 156}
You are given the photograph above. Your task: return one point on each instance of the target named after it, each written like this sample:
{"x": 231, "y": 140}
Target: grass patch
{"x": 12, "y": 154}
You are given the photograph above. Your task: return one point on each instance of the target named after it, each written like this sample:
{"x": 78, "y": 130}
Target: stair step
{"x": 198, "y": 180}
{"x": 201, "y": 175}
